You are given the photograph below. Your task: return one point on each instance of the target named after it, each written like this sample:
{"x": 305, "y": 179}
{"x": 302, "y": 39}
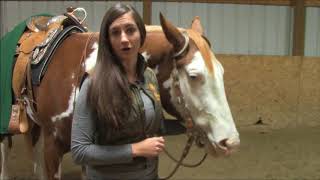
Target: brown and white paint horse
{"x": 178, "y": 56}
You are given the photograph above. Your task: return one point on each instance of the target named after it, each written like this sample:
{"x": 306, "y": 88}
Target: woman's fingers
{"x": 160, "y": 144}
{"x": 149, "y": 147}
{"x": 161, "y": 139}
{"x": 159, "y": 149}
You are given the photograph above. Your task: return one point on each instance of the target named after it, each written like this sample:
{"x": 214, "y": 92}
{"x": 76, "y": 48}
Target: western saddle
{"x": 42, "y": 34}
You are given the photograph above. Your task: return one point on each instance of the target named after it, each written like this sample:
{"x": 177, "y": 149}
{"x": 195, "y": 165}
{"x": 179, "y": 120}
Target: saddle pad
{"x": 7, "y": 51}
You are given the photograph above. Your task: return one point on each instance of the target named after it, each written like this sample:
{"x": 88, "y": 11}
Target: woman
{"x": 118, "y": 110}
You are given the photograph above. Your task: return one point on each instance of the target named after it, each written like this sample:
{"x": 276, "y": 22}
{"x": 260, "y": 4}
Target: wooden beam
{"x": 299, "y": 28}
{"x": 250, "y": 2}
{"x": 147, "y": 11}
{"x": 253, "y": 2}
{"x": 315, "y": 3}
{"x": 312, "y": 3}
{"x": 308, "y": 3}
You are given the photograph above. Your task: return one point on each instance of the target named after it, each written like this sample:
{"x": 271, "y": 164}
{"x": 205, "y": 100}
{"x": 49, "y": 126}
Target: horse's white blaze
{"x": 206, "y": 99}
{"x": 90, "y": 62}
{"x": 69, "y": 110}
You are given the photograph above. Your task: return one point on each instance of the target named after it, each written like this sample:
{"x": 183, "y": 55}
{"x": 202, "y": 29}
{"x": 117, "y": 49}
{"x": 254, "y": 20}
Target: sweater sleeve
{"x": 83, "y": 149}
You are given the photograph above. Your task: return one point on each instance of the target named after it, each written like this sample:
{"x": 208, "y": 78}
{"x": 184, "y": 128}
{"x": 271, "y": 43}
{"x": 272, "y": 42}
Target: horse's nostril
{"x": 223, "y": 143}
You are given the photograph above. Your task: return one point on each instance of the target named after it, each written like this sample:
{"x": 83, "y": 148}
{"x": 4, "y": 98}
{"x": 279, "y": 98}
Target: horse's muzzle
{"x": 225, "y": 147}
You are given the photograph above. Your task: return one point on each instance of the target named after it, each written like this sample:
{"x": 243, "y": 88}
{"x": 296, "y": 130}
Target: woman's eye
{"x": 131, "y": 30}
{"x": 115, "y": 33}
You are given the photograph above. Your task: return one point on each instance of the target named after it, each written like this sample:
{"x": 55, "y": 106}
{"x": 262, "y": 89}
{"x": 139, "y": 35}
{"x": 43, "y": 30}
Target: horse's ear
{"x": 172, "y": 33}
{"x": 196, "y": 25}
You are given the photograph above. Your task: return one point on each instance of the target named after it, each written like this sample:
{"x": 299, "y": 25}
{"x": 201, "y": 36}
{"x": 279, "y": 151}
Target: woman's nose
{"x": 124, "y": 37}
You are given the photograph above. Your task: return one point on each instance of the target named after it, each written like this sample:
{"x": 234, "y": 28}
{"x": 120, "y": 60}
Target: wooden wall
{"x": 279, "y": 91}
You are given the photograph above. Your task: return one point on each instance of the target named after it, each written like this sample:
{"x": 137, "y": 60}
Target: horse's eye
{"x": 193, "y": 77}
{"x": 199, "y": 78}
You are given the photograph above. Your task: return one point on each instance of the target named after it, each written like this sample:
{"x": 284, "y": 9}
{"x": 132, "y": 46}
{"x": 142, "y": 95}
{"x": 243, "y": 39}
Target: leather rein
{"x": 194, "y": 133}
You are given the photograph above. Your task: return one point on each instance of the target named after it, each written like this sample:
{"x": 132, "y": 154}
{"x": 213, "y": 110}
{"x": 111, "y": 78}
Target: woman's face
{"x": 125, "y": 37}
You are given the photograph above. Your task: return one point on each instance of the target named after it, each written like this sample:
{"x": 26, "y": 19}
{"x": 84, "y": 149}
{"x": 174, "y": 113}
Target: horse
{"x": 191, "y": 89}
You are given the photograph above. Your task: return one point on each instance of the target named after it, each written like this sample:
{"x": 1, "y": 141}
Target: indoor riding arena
{"x": 270, "y": 52}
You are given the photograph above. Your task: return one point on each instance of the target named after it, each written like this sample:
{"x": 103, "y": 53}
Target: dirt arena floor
{"x": 292, "y": 154}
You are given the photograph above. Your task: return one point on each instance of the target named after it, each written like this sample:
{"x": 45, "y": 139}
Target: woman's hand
{"x": 149, "y": 147}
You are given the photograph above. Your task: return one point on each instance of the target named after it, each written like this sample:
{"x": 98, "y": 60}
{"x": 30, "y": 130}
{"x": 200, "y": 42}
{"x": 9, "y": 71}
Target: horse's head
{"x": 191, "y": 82}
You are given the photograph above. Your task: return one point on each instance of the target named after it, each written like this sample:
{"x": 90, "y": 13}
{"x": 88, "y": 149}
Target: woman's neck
{"x": 130, "y": 67}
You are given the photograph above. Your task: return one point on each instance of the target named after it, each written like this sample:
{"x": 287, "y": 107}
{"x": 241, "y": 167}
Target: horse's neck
{"x": 155, "y": 47}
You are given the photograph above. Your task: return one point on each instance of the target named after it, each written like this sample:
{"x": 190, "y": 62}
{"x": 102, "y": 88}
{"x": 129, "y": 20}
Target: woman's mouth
{"x": 126, "y": 49}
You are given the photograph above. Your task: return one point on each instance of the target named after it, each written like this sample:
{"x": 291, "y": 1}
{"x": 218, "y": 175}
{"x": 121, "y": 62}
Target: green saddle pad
{"x": 7, "y": 50}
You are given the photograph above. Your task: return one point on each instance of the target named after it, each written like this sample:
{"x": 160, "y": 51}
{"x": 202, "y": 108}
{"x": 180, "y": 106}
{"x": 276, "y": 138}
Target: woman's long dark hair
{"x": 109, "y": 93}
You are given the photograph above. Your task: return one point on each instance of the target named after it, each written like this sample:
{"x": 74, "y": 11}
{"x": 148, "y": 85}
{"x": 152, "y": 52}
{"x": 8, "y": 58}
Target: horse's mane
{"x": 204, "y": 48}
